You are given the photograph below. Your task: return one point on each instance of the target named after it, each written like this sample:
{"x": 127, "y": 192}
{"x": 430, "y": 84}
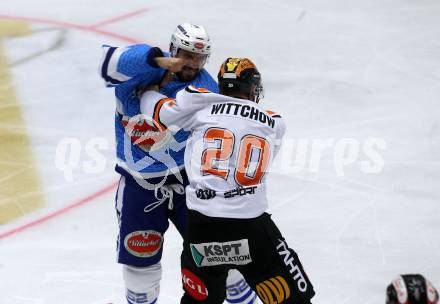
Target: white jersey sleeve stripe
{"x": 110, "y": 64}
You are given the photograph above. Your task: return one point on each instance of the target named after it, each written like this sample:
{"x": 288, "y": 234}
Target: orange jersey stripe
{"x": 193, "y": 89}
{"x": 272, "y": 113}
{"x": 156, "y": 112}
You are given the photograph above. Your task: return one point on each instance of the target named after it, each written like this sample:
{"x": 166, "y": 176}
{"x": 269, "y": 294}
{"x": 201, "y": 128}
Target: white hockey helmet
{"x": 192, "y": 38}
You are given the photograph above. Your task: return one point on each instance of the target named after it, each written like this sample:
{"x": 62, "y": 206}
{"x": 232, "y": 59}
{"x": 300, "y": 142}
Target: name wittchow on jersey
{"x": 244, "y": 111}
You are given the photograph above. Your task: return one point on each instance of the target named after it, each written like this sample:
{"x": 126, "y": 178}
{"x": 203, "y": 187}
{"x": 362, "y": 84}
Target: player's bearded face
{"x": 191, "y": 69}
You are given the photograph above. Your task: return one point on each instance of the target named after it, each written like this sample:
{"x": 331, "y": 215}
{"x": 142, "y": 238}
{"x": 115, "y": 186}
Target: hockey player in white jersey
{"x": 227, "y": 159}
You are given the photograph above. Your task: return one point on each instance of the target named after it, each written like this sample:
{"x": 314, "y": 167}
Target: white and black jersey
{"x": 229, "y": 153}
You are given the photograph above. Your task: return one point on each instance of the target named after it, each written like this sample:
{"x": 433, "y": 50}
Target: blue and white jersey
{"x": 129, "y": 70}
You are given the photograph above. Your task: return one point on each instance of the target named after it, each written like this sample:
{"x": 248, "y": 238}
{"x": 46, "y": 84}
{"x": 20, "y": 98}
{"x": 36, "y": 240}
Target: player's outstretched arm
{"x": 119, "y": 65}
{"x": 169, "y": 113}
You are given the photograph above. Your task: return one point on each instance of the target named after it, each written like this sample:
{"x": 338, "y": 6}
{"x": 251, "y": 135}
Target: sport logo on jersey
{"x": 240, "y": 191}
{"x": 143, "y": 243}
{"x": 145, "y": 133}
{"x": 211, "y": 254}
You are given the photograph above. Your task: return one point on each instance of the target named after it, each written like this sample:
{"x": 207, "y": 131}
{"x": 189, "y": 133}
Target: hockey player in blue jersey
{"x": 150, "y": 162}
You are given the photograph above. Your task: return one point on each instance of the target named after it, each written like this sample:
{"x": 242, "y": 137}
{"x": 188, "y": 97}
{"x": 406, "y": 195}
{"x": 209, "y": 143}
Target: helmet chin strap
{"x": 255, "y": 95}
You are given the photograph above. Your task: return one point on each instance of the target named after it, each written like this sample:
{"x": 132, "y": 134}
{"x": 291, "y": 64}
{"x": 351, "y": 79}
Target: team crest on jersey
{"x": 145, "y": 133}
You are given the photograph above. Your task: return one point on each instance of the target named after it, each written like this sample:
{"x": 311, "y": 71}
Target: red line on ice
{"x": 104, "y": 190}
{"x": 119, "y": 18}
{"x": 61, "y": 211}
{"x": 75, "y": 26}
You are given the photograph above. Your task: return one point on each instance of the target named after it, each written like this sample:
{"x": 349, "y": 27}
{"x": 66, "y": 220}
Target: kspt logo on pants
{"x": 214, "y": 253}
{"x": 273, "y": 291}
{"x": 194, "y": 285}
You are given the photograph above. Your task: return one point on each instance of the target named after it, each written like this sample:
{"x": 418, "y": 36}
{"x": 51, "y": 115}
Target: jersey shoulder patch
{"x": 272, "y": 114}
{"x": 193, "y": 89}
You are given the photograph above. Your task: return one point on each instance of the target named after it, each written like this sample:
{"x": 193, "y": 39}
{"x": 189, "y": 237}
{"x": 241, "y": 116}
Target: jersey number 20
{"x": 249, "y": 144}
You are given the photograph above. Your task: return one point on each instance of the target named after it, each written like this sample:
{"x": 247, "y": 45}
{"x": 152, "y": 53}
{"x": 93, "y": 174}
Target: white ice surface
{"x": 333, "y": 69}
